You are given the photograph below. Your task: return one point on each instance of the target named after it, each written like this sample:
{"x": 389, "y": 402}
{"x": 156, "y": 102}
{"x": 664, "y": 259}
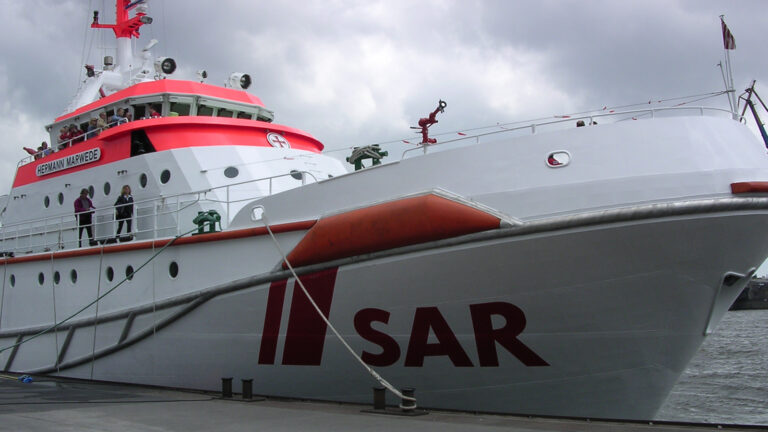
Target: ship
{"x": 543, "y": 269}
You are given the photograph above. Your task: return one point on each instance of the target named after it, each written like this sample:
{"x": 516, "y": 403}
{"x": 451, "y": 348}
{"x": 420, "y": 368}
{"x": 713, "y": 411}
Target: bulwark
{"x": 82, "y": 158}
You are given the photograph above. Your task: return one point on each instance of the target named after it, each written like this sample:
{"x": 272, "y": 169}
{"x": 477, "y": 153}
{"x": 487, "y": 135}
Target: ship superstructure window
{"x": 165, "y": 176}
{"x": 46, "y": 201}
{"x": 139, "y": 112}
{"x": 107, "y": 188}
{"x": 110, "y": 273}
{"x": 225, "y": 113}
{"x": 73, "y": 276}
{"x": 61, "y": 198}
{"x": 143, "y": 180}
{"x": 205, "y": 110}
{"x": 129, "y": 272}
{"x": 91, "y": 191}
{"x": 12, "y": 280}
{"x": 180, "y": 106}
{"x": 56, "y": 277}
{"x": 173, "y": 269}
{"x": 40, "y": 278}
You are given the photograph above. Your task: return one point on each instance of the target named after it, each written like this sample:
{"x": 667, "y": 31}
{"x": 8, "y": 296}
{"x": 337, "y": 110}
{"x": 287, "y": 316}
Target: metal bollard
{"x": 226, "y": 387}
{"x": 379, "y": 398}
{"x": 247, "y": 388}
{"x": 407, "y": 405}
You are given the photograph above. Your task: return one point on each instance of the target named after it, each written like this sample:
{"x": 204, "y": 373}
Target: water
{"x": 727, "y": 381}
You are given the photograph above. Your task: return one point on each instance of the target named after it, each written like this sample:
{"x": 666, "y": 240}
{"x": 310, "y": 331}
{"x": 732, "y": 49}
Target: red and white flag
{"x": 729, "y": 42}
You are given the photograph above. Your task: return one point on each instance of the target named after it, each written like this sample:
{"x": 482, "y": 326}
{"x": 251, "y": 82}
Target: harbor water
{"x": 727, "y": 381}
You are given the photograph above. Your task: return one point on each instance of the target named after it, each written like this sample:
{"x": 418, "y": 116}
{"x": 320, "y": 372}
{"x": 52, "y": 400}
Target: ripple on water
{"x": 727, "y": 381}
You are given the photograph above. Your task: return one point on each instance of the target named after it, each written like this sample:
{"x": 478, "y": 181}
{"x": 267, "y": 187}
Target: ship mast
{"x": 125, "y": 28}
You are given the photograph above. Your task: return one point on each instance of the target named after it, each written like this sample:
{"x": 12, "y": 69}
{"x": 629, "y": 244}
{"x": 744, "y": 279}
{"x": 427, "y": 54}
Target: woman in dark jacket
{"x": 84, "y": 212}
{"x": 124, "y": 209}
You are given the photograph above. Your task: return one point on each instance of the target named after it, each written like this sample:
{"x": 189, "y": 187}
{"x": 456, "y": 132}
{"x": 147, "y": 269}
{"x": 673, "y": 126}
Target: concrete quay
{"x": 53, "y": 404}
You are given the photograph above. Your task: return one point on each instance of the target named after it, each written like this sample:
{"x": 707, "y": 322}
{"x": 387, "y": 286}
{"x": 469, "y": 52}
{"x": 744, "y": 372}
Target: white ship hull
{"x": 588, "y": 299}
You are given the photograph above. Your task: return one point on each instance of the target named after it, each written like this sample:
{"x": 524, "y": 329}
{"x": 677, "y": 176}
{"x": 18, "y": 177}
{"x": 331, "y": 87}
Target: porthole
{"x": 46, "y": 201}
{"x": 73, "y": 276}
{"x": 61, "y": 198}
{"x": 298, "y": 175}
{"x": 40, "y": 278}
{"x": 91, "y": 191}
{"x": 110, "y": 273}
{"x": 558, "y": 159}
{"x": 56, "y": 277}
{"x": 107, "y": 188}
{"x": 173, "y": 269}
{"x": 143, "y": 180}
{"x": 165, "y": 176}
{"x": 12, "y": 280}
{"x": 231, "y": 172}
{"x": 129, "y": 272}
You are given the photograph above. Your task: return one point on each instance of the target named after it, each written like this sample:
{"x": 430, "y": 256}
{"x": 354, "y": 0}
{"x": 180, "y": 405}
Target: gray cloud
{"x": 357, "y": 72}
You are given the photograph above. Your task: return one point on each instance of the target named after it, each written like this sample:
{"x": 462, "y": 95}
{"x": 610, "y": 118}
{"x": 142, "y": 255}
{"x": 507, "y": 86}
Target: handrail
{"x": 54, "y": 148}
{"x": 161, "y": 216}
{"x": 534, "y": 126}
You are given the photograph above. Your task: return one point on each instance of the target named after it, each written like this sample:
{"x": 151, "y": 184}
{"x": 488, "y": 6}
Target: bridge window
{"x": 179, "y": 105}
{"x": 204, "y": 110}
{"x": 225, "y": 113}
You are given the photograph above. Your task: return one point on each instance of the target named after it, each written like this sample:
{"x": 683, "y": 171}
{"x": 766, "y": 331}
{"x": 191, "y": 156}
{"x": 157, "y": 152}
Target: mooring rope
{"x": 370, "y": 370}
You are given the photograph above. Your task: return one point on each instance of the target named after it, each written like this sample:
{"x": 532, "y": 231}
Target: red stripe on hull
{"x": 305, "y": 336}
{"x": 220, "y": 236}
{"x": 272, "y": 319}
{"x": 386, "y": 226}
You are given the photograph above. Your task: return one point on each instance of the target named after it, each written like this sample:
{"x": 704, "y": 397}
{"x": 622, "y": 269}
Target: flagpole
{"x": 729, "y": 86}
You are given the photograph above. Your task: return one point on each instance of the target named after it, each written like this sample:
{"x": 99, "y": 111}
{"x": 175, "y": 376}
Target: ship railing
{"x": 61, "y": 145}
{"x": 532, "y": 127}
{"x": 158, "y": 217}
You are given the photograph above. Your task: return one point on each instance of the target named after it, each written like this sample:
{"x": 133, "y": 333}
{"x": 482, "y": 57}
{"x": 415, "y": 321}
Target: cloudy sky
{"x": 358, "y": 72}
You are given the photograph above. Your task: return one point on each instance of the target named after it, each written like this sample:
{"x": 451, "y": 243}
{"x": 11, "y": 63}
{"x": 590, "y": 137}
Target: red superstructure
{"x": 168, "y": 86}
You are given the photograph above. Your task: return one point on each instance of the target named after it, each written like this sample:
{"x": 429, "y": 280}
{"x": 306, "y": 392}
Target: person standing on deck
{"x": 84, "y": 214}
{"x": 124, "y": 209}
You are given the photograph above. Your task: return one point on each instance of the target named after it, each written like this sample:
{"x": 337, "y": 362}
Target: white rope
{"x": 372, "y": 372}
